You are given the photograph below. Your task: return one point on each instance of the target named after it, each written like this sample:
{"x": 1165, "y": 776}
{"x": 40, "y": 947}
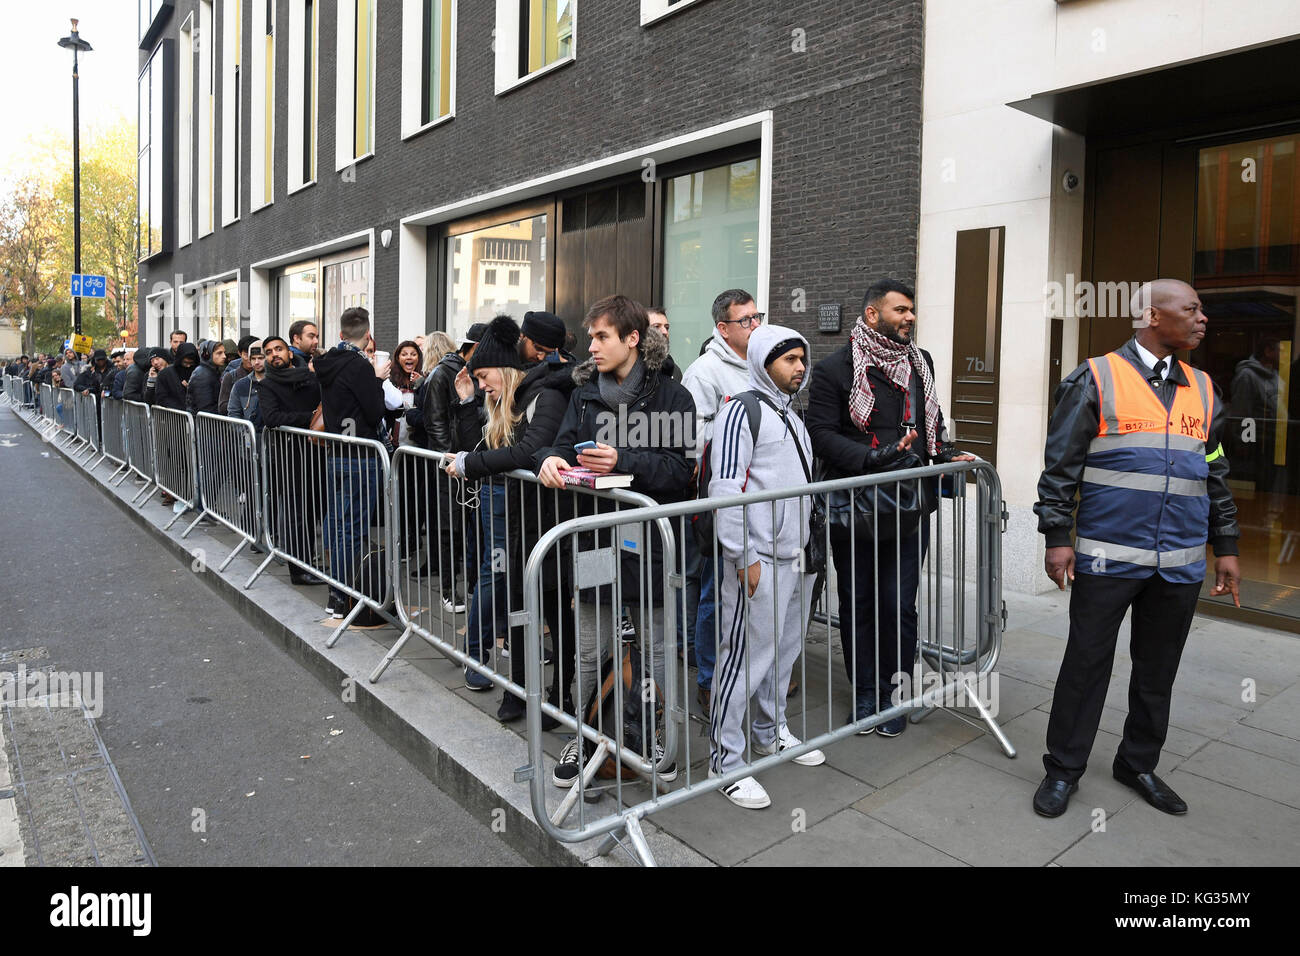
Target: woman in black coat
{"x": 524, "y": 412}
{"x": 173, "y": 381}
{"x": 205, "y": 384}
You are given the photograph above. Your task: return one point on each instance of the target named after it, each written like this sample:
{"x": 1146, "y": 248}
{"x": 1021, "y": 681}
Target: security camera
{"x": 1070, "y": 181}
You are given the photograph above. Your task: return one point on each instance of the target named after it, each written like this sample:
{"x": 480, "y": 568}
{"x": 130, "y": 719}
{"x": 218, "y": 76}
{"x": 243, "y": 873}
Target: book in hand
{"x": 586, "y": 478}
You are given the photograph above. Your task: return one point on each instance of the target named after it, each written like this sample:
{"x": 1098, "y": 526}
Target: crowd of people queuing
{"x": 512, "y": 395}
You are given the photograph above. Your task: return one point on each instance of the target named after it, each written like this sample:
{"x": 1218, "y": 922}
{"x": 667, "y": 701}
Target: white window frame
{"x": 206, "y": 213}
{"x": 297, "y": 100}
{"x": 507, "y": 49}
{"x": 185, "y": 135}
{"x": 258, "y": 146}
{"x": 345, "y": 74}
{"x": 413, "y": 68}
{"x": 652, "y": 11}
{"x": 231, "y": 160}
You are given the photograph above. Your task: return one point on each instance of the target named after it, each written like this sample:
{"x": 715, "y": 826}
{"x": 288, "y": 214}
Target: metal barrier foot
{"x": 994, "y": 729}
{"x": 175, "y": 517}
{"x": 243, "y": 543}
{"x": 142, "y": 495}
{"x": 391, "y": 655}
{"x": 588, "y": 774}
{"x": 192, "y": 525}
{"x": 270, "y": 556}
{"x": 347, "y": 622}
{"x": 635, "y": 835}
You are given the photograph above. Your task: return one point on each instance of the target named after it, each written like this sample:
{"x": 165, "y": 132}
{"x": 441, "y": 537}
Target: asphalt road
{"x": 204, "y": 718}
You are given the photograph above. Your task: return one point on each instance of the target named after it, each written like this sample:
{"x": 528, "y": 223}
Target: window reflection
{"x": 494, "y": 270}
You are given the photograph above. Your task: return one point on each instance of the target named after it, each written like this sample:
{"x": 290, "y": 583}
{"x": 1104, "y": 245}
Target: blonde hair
{"x": 501, "y": 415}
{"x": 436, "y": 345}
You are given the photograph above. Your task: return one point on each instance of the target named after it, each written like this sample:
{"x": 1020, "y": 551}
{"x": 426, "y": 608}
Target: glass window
{"x": 298, "y": 297}
{"x": 220, "y": 317}
{"x": 1247, "y": 273}
{"x": 268, "y": 101}
{"x": 363, "y": 90}
{"x": 710, "y": 244}
{"x": 308, "y": 80}
{"x": 437, "y": 64}
{"x": 152, "y": 105}
{"x": 346, "y": 285}
{"x": 545, "y": 33}
{"x": 473, "y": 261}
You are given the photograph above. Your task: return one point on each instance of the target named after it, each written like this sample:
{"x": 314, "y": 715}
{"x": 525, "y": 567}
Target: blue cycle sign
{"x": 89, "y": 286}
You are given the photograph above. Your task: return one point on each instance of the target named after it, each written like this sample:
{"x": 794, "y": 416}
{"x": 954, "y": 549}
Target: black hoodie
{"x": 205, "y": 383}
{"x": 137, "y": 373}
{"x": 173, "y": 381}
{"x": 351, "y": 392}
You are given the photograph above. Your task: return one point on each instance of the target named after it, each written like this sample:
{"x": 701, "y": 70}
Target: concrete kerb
{"x": 457, "y": 747}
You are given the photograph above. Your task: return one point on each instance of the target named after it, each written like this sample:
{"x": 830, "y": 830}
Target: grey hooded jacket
{"x": 711, "y": 379}
{"x": 742, "y": 465}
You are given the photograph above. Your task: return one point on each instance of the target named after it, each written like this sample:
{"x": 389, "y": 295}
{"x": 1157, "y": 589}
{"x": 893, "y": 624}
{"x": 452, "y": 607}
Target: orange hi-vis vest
{"x": 1144, "y": 507}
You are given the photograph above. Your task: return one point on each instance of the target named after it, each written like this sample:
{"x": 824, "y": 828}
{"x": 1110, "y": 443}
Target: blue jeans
{"x": 490, "y": 605}
{"x": 706, "y": 651}
{"x": 352, "y": 499}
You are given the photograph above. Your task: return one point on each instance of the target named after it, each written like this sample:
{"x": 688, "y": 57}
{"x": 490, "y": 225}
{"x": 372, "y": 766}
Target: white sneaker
{"x": 746, "y": 792}
{"x": 784, "y": 741}
{"x": 451, "y": 608}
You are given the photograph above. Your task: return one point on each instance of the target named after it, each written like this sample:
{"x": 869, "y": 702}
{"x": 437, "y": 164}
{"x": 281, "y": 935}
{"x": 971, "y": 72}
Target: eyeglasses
{"x": 748, "y": 321}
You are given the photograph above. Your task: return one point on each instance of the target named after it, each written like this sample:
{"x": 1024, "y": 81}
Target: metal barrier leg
{"x": 391, "y": 655}
{"x": 347, "y": 622}
{"x": 243, "y": 542}
{"x": 635, "y": 836}
{"x": 142, "y": 495}
{"x": 176, "y": 515}
{"x": 192, "y": 525}
{"x": 994, "y": 729}
{"x": 582, "y": 783}
{"x": 270, "y": 556}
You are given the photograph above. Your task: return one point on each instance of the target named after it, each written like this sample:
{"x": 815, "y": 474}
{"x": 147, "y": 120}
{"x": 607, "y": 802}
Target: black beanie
{"x": 785, "y": 345}
{"x": 499, "y": 346}
{"x": 545, "y": 328}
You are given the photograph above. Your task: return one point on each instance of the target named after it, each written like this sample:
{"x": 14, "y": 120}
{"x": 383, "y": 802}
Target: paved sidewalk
{"x": 941, "y": 794}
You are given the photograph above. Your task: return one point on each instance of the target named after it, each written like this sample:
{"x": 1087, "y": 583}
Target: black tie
{"x": 1159, "y": 373}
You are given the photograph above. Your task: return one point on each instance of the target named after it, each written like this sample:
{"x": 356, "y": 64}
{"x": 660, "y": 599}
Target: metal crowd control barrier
{"x": 337, "y": 483}
{"x": 137, "y": 432}
{"x": 46, "y": 402}
{"x": 174, "y": 468}
{"x": 114, "y": 442}
{"x": 758, "y": 639}
{"x": 65, "y": 407}
{"x": 228, "y": 476}
{"x": 87, "y": 425}
{"x": 513, "y": 511}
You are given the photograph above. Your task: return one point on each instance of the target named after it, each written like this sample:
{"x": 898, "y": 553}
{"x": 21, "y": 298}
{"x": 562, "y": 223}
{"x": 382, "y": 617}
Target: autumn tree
{"x": 29, "y": 250}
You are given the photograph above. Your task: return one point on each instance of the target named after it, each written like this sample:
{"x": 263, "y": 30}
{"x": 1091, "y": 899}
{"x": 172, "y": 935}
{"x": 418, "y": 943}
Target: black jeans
{"x": 1162, "y": 616}
{"x": 878, "y": 615}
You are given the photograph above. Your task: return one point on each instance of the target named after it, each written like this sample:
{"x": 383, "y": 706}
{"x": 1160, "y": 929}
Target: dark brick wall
{"x": 846, "y": 151}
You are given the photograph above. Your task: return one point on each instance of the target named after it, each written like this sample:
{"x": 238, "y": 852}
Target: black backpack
{"x": 702, "y": 522}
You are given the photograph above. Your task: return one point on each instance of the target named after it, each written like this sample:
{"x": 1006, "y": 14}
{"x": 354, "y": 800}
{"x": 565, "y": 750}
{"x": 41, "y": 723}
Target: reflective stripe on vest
{"x": 1143, "y": 500}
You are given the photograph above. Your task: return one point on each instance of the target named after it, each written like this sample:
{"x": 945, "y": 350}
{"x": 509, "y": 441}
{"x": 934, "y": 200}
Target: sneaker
{"x": 566, "y": 770}
{"x": 336, "y": 607}
{"x": 891, "y": 728}
{"x": 476, "y": 681}
{"x": 784, "y": 741}
{"x": 626, "y": 629}
{"x": 505, "y": 647}
{"x": 862, "y": 711}
{"x": 452, "y": 608}
{"x": 512, "y": 708}
{"x": 670, "y": 773}
{"x": 746, "y": 792}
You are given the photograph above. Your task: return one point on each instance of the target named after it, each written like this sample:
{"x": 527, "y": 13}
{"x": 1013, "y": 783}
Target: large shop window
{"x": 153, "y": 159}
{"x": 710, "y": 244}
{"x": 320, "y": 290}
{"x": 220, "y": 316}
{"x": 480, "y": 265}
{"x": 1247, "y": 273}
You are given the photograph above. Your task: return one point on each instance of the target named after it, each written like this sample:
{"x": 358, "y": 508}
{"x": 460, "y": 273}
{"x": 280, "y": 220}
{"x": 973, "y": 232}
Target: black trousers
{"x": 883, "y": 595}
{"x": 1162, "y": 615}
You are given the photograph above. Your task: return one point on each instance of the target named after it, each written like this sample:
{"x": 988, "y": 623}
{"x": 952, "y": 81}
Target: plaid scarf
{"x": 896, "y": 360}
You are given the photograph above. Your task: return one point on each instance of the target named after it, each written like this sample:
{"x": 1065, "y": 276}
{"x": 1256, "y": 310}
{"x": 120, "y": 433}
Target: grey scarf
{"x": 614, "y": 394}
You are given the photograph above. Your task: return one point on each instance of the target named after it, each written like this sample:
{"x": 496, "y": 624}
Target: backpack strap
{"x": 785, "y": 421}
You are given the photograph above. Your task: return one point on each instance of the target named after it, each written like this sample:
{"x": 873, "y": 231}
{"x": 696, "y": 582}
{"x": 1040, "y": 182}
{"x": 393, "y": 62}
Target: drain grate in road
{"x": 70, "y": 806}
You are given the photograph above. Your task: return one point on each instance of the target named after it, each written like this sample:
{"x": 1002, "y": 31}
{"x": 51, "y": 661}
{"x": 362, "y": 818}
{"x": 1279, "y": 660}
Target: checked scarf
{"x": 896, "y": 361}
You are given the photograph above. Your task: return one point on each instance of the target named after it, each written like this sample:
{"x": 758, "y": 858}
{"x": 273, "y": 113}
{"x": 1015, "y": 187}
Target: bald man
{"x": 1137, "y": 435}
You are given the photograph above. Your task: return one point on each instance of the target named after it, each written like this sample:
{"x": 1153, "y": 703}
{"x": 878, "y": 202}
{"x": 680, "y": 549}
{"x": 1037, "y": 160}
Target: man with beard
{"x": 873, "y": 407}
{"x": 288, "y": 396}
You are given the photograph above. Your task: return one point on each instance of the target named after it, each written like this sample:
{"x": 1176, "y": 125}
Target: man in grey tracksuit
{"x": 764, "y": 593}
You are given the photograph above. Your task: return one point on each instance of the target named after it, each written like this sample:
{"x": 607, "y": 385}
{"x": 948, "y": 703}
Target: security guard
{"x": 1137, "y": 435}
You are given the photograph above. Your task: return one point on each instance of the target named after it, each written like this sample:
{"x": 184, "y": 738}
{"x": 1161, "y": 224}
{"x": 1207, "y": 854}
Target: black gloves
{"x": 889, "y": 458}
{"x": 947, "y": 453}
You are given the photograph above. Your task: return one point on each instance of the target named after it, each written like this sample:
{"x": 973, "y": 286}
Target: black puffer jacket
{"x": 137, "y": 373}
{"x": 663, "y": 471}
{"x": 92, "y": 376}
{"x": 438, "y": 414}
{"x": 287, "y": 397}
{"x": 542, "y": 399}
{"x": 173, "y": 381}
{"x": 205, "y": 384}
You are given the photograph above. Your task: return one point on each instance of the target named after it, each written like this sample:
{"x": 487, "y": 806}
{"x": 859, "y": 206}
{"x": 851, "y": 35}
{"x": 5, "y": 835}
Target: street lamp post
{"x": 76, "y": 44}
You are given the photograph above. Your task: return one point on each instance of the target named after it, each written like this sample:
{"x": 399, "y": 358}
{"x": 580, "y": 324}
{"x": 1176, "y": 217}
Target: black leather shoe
{"x": 512, "y": 708}
{"x": 304, "y": 578}
{"x": 1152, "y": 789}
{"x": 1053, "y": 796}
